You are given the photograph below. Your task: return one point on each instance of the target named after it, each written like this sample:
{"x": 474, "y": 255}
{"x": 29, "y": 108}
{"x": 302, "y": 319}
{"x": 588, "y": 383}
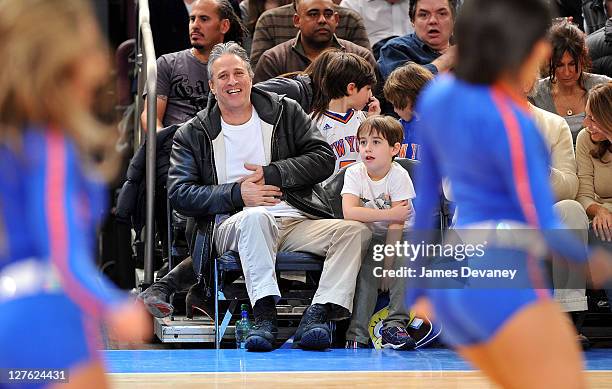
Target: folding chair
{"x": 230, "y": 262}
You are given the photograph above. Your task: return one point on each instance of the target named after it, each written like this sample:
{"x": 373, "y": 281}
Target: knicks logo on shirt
{"x": 346, "y": 145}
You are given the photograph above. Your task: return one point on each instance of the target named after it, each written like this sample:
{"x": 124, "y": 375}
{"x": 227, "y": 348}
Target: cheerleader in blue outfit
{"x": 477, "y": 132}
{"x": 52, "y": 298}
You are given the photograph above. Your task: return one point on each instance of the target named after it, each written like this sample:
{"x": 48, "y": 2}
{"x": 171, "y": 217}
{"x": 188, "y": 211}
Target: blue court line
{"x": 229, "y": 360}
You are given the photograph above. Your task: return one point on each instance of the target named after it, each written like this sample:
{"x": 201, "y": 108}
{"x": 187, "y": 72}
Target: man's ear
{"x": 296, "y": 21}
{"x": 211, "y": 86}
{"x": 225, "y": 26}
{"x": 351, "y": 89}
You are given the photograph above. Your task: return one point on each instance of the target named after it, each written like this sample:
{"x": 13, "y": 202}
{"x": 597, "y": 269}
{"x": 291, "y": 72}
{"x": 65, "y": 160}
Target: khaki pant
{"x": 573, "y": 217}
{"x": 257, "y": 236}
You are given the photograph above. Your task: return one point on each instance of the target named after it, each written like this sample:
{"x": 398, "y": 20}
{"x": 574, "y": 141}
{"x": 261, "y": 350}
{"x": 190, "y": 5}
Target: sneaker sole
{"x": 315, "y": 339}
{"x": 402, "y": 346}
{"x": 258, "y": 343}
{"x": 159, "y": 310}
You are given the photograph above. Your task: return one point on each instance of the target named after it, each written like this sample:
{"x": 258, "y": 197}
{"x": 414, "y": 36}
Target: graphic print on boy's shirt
{"x": 340, "y": 131}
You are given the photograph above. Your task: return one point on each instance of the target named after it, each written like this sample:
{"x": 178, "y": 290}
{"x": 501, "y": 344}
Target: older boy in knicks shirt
{"x": 379, "y": 192}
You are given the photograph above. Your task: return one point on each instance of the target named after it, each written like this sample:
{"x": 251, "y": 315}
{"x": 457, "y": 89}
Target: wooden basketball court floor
{"x": 293, "y": 368}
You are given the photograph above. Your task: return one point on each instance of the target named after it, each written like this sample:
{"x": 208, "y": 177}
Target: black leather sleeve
{"x": 185, "y": 189}
{"x": 314, "y": 160}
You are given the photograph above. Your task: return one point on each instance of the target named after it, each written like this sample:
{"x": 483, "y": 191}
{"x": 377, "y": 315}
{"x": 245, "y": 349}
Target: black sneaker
{"x": 155, "y": 298}
{"x": 313, "y": 333}
{"x": 262, "y": 336}
{"x": 397, "y": 338}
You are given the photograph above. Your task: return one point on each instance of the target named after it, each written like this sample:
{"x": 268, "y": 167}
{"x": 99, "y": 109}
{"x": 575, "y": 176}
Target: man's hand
{"x": 255, "y": 193}
{"x": 257, "y": 176}
{"x": 447, "y": 60}
{"x": 602, "y": 224}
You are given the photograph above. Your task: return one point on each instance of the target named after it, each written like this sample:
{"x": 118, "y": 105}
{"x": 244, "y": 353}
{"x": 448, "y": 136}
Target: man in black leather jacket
{"x": 247, "y": 169}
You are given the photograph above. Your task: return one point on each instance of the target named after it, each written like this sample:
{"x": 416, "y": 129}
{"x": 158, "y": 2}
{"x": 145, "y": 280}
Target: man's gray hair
{"x": 230, "y": 47}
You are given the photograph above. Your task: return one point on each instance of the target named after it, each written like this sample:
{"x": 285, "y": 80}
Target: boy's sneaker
{"x": 397, "y": 338}
{"x": 353, "y": 344}
{"x": 313, "y": 333}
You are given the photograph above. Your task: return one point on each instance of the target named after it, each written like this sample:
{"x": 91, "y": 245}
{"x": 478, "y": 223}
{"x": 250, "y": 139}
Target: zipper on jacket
{"x": 274, "y": 145}
{"x": 216, "y": 182}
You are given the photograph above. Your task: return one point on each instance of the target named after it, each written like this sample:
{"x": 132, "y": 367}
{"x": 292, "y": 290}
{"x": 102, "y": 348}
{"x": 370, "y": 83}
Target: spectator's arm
{"x": 162, "y": 102}
{"x": 586, "y": 172}
{"x": 393, "y": 56}
{"x": 314, "y": 159}
{"x": 563, "y": 175}
{"x": 446, "y": 61}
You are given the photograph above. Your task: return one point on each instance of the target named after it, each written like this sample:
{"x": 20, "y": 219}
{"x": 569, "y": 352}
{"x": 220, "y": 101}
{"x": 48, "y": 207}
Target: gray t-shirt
{"x": 543, "y": 99}
{"x": 183, "y": 79}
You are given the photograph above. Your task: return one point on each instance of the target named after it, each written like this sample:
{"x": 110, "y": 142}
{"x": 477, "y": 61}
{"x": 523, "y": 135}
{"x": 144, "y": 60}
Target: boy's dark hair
{"x": 343, "y": 69}
{"x": 501, "y": 41}
{"x": 405, "y": 83}
{"x": 452, "y": 4}
{"x": 387, "y": 127}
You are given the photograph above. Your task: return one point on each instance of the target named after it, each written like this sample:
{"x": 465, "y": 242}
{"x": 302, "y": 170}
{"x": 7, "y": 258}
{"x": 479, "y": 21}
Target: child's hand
{"x": 373, "y": 107}
{"x": 400, "y": 213}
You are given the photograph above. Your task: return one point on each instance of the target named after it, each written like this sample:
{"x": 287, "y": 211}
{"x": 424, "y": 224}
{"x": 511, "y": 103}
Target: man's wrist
{"x": 272, "y": 175}
{"x": 237, "y": 199}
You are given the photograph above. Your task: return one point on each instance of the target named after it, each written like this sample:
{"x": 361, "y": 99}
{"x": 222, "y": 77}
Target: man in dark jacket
{"x": 247, "y": 168}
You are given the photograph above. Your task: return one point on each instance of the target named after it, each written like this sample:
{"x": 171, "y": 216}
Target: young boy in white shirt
{"x": 379, "y": 192}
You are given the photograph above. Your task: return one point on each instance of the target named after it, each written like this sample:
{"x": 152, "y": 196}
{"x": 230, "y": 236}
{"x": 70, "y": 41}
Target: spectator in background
{"x": 277, "y": 26}
{"x": 251, "y": 10}
{"x": 600, "y": 49}
{"x": 383, "y": 19}
{"x": 429, "y": 45}
{"x": 569, "y": 285}
{"x": 317, "y": 21}
{"x": 182, "y": 83}
{"x": 402, "y": 89}
{"x": 564, "y": 91}
{"x": 594, "y": 155}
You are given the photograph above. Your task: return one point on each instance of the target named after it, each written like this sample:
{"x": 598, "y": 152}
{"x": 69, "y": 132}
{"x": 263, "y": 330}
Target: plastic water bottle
{"x": 242, "y": 327}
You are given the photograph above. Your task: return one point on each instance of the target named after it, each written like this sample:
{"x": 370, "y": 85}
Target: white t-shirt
{"x": 340, "y": 130}
{"x": 395, "y": 186}
{"x": 244, "y": 144}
